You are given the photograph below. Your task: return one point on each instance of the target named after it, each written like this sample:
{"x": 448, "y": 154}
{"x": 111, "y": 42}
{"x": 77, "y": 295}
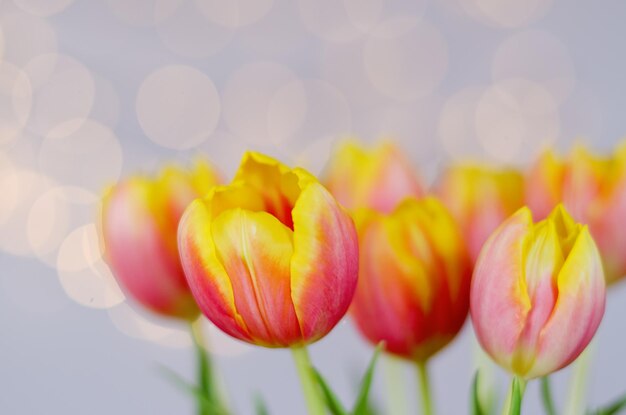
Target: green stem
{"x": 578, "y": 383}
{"x": 393, "y": 370}
{"x": 315, "y": 404}
{"x": 509, "y": 403}
{"x": 424, "y": 385}
{"x": 488, "y": 390}
{"x": 206, "y": 377}
{"x": 546, "y": 396}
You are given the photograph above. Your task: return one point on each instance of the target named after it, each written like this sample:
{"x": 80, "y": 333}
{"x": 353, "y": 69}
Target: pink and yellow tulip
{"x": 480, "y": 199}
{"x": 378, "y": 179}
{"x": 414, "y": 278}
{"x": 593, "y": 189}
{"x": 538, "y": 293}
{"x": 271, "y": 258}
{"x": 139, "y": 222}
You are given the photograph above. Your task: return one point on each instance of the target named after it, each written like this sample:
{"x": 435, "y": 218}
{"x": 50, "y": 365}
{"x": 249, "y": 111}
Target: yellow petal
{"x": 203, "y": 176}
{"x": 543, "y": 256}
{"x": 445, "y": 241}
{"x": 277, "y": 186}
{"x": 223, "y": 198}
{"x": 578, "y": 310}
{"x": 566, "y": 228}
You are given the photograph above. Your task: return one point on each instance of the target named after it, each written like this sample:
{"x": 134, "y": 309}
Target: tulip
{"x": 377, "y": 179}
{"x": 271, "y": 258}
{"x": 538, "y": 293}
{"x": 480, "y": 199}
{"x": 414, "y": 278}
{"x": 139, "y": 221}
{"x": 593, "y": 189}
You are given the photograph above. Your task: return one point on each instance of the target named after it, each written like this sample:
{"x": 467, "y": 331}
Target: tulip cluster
{"x": 277, "y": 257}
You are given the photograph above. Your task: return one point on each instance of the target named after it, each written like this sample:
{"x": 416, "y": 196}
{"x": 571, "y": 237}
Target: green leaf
{"x": 362, "y": 403}
{"x": 614, "y": 408}
{"x": 206, "y": 406}
{"x": 177, "y": 380}
{"x": 205, "y": 375}
{"x": 260, "y": 408}
{"x": 477, "y": 408}
{"x": 516, "y": 397}
{"x": 546, "y": 396}
{"x": 332, "y": 402}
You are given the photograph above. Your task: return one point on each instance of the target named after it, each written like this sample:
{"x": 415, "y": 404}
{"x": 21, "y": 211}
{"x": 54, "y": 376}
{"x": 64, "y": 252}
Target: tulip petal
{"x": 207, "y": 277}
{"x": 499, "y": 302}
{"x": 609, "y": 236}
{"x": 414, "y": 276}
{"x": 578, "y": 310}
{"x": 255, "y": 249}
{"x": 139, "y": 239}
{"x": 223, "y": 198}
{"x": 203, "y": 177}
{"x": 583, "y": 181}
{"x": 378, "y": 179}
{"x": 448, "y": 263}
{"x": 277, "y": 185}
{"x": 389, "y": 308}
{"x": 392, "y": 180}
{"x": 324, "y": 266}
{"x": 544, "y": 185}
{"x": 444, "y": 247}
{"x": 543, "y": 260}
{"x": 480, "y": 199}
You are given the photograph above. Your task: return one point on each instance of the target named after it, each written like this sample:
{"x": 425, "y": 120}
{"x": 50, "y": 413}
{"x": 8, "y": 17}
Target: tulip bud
{"x": 480, "y": 199}
{"x": 414, "y": 278}
{"x": 538, "y": 293}
{"x": 139, "y": 222}
{"x": 378, "y": 179}
{"x": 271, "y": 258}
{"x": 593, "y": 189}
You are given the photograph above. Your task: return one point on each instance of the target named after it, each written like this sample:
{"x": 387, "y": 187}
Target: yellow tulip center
{"x": 260, "y": 187}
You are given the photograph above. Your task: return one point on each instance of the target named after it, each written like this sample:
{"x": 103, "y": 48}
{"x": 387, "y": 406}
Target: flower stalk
{"x": 578, "y": 383}
{"x": 513, "y": 403}
{"x": 209, "y": 398}
{"x": 424, "y": 385}
{"x": 314, "y": 402}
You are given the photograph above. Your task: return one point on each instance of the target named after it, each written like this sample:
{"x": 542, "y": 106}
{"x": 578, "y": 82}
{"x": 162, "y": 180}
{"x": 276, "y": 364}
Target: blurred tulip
{"x": 544, "y": 185}
{"x": 139, "y": 222}
{"x": 414, "y": 278}
{"x": 538, "y": 293}
{"x": 378, "y": 179}
{"x": 480, "y": 199}
{"x": 593, "y": 189}
{"x": 271, "y": 258}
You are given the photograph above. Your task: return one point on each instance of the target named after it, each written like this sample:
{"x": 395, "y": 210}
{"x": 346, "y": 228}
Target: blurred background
{"x": 91, "y": 91}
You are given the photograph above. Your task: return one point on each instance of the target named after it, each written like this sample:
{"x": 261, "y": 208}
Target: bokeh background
{"x": 91, "y": 91}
